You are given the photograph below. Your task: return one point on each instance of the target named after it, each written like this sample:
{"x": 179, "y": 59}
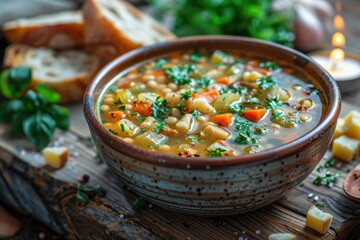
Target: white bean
{"x": 173, "y": 98}
{"x": 175, "y": 112}
{"x": 173, "y": 86}
{"x": 164, "y": 148}
{"x": 171, "y": 120}
{"x": 105, "y": 108}
{"x": 183, "y": 125}
{"x": 215, "y": 133}
{"x": 108, "y": 100}
{"x": 148, "y": 77}
{"x": 202, "y": 106}
{"x": 152, "y": 84}
{"x": 129, "y": 140}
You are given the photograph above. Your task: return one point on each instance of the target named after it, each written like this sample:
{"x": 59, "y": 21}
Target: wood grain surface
{"x": 30, "y": 186}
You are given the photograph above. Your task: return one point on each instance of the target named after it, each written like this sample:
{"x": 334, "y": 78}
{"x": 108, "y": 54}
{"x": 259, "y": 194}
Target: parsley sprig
{"x": 159, "y": 108}
{"x": 180, "y": 75}
{"x": 271, "y": 65}
{"x": 266, "y": 82}
{"x": 327, "y": 178}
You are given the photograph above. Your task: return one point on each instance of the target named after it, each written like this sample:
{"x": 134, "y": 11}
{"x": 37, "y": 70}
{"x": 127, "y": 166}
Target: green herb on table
{"x": 31, "y": 113}
{"x": 266, "y": 82}
{"x": 85, "y": 193}
{"x": 328, "y": 178}
{"x": 330, "y": 163}
{"x": 320, "y": 204}
{"x": 138, "y": 203}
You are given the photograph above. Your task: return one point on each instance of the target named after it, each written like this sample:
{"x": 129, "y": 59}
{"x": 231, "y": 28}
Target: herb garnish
{"x": 160, "y": 108}
{"x": 138, "y": 203}
{"x": 195, "y": 56}
{"x": 192, "y": 138}
{"x": 140, "y": 119}
{"x": 159, "y": 127}
{"x": 266, "y": 82}
{"x": 116, "y": 133}
{"x": 122, "y": 108}
{"x": 180, "y": 75}
{"x": 204, "y": 82}
{"x": 160, "y": 63}
{"x": 247, "y": 132}
{"x": 272, "y": 103}
{"x": 186, "y": 95}
{"x": 85, "y": 193}
{"x": 320, "y": 204}
{"x": 217, "y": 152}
{"x": 236, "y": 107}
{"x": 33, "y": 114}
{"x": 118, "y": 101}
{"x": 271, "y": 65}
{"x": 195, "y": 113}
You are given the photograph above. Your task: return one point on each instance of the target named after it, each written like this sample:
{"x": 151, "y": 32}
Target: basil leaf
{"x": 17, "y": 123}
{"x": 60, "y": 115}
{"x": 9, "y": 108}
{"x": 82, "y": 197}
{"x": 39, "y": 128}
{"x": 49, "y": 95}
{"x": 14, "y": 81}
{"x": 85, "y": 188}
{"x": 33, "y": 101}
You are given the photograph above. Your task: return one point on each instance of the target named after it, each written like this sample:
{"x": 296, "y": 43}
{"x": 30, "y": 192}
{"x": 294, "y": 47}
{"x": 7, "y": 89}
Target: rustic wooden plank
{"x": 30, "y": 186}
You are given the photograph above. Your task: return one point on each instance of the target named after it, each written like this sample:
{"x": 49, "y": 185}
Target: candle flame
{"x": 339, "y": 22}
{"x": 337, "y": 55}
{"x": 338, "y": 40}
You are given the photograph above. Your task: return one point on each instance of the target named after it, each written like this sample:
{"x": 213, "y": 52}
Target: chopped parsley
{"x": 329, "y": 163}
{"x": 271, "y": 65}
{"x": 159, "y": 127}
{"x": 122, "y": 107}
{"x": 277, "y": 115}
{"x": 181, "y": 106}
{"x": 236, "y": 107}
{"x": 217, "y": 152}
{"x": 328, "y": 178}
{"x": 186, "y": 95}
{"x": 118, "y": 101}
{"x": 195, "y": 56}
{"x": 192, "y": 138}
{"x": 113, "y": 132}
{"x": 266, "y": 82}
{"x": 140, "y": 119}
{"x": 180, "y": 75}
{"x": 159, "y": 108}
{"x": 244, "y": 132}
{"x": 122, "y": 127}
{"x": 320, "y": 204}
{"x": 195, "y": 113}
{"x": 204, "y": 82}
{"x": 272, "y": 103}
{"x": 160, "y": 63}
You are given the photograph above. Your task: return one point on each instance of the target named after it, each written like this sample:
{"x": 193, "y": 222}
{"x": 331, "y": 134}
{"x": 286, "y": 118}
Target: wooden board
{"x": 49, "y": 195}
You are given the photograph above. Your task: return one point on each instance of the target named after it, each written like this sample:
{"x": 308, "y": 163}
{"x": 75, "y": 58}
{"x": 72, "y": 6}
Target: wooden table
{"x": 48, "y": 195}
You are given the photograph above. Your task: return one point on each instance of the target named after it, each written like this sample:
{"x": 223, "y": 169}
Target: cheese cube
{"x": 282, "y": 236}
{"x": 339, "y": 130}
{"x": 352, "y": 125}
{"x": 318, "y": 220}
{"x": 345, "y": 148}
{"x": 56, "y": 156}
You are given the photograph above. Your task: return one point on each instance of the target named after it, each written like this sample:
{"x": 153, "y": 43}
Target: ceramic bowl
{"x": 214, "y": 186}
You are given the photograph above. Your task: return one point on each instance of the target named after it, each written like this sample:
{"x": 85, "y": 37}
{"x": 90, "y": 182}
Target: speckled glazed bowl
{"x": 214, "y": 186}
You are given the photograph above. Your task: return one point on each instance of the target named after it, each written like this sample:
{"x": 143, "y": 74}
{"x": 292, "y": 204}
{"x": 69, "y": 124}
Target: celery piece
{"x": 125, "y": 96}
{"x": 151, "y": 139}
{"x": 224, "y": 101}
{"x": 126, "y": 128}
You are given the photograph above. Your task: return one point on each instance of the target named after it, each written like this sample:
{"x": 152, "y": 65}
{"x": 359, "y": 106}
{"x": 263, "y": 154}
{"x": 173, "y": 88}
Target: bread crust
{"x": 53, "y": 35}
{"x": 105, "y": 39}
{"x": 70, "y": 89}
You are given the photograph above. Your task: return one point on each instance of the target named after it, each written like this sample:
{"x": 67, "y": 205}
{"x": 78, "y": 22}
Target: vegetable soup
{"x": 212, "y": 104}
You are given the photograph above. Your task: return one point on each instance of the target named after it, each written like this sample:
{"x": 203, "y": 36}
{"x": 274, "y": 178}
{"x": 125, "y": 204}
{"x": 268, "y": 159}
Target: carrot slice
{"x": 144, "y": 109}
{"x": 158, "y": 73}
{"x": 222, "y": 119}
{"x": 210, "y": 95}
{"x": 223, "y": 80}
{"x": 116, "y": 115}
{"x": 254, "y": 115}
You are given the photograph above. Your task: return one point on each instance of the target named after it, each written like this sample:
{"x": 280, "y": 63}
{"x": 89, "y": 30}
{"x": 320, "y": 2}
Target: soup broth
{"x": 210, "y": 104}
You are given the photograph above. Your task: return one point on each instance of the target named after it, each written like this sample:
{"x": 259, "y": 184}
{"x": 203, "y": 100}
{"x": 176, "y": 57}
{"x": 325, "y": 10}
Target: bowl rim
{"x": 166, "y": 160}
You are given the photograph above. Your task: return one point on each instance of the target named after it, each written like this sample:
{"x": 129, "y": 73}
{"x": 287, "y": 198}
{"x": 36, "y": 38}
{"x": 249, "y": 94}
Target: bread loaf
{"x": 113, "y": 27}
{"x": 58, "y": 31}
{"x": 65, "y": 71}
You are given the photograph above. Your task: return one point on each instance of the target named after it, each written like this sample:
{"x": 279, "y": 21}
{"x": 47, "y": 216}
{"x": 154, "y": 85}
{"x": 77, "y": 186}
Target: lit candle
{"x": 344, "y": 68}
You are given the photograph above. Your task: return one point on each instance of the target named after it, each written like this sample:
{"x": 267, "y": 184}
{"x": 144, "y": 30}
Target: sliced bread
{"x": 58, "y": 31}
{"x": 113, "y": 27}
{"x": 65, "y": 71}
